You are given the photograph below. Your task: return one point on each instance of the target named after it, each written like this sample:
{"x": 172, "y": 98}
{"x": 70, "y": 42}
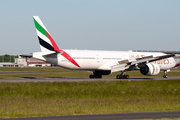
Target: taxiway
{"x": 81, "y": 79}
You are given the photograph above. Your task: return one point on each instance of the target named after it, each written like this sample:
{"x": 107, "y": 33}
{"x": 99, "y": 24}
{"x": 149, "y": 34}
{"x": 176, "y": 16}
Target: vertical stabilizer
{"x": 45, "y": 40}
{"x": 47, "y": 44}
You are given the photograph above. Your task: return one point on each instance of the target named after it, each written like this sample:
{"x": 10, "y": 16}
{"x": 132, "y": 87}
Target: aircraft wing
{"x": 150, "y": 59}
{"x": 125, "y": 64}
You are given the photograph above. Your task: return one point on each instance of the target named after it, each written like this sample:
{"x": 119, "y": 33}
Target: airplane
{"x": 101, "y": 62}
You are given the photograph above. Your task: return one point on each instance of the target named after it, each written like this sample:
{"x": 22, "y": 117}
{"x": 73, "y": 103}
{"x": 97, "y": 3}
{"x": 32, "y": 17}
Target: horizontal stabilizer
{"x": 26, "y": 55}
{"x": 47, "y": 53}
{"x": 44, "y": 54}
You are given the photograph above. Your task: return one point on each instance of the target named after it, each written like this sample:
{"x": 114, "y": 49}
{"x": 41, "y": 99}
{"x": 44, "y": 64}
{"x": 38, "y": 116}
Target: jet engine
{"x": 150, "y": 69}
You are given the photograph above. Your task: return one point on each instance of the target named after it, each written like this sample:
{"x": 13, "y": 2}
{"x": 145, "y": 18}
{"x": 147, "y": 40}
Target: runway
{"x": 120, "y": 116}
{"x": 81, "y": 79}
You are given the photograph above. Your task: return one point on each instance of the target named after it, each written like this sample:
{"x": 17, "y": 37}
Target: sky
{"x": 118, "y": 25}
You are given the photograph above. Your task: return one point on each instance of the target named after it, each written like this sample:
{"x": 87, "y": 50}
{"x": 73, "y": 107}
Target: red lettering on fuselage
{"x": 163, "y": 61}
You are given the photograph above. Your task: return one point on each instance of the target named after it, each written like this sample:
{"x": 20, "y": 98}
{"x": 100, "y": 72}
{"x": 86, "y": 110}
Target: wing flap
{"x": 123, "y": 61}
{"x": 119, "y": 67}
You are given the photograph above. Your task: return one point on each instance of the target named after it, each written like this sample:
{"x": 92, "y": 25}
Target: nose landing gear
{"x": 165, "y": 73}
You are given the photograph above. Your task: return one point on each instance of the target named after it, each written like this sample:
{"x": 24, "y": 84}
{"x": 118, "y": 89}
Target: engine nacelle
{"x": 150, "y": 69}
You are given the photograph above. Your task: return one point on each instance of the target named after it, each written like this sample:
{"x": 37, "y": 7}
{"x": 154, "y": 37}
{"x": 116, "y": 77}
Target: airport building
{"x": 28, "y": 61}
{"x": 25, "y": 61}
{"x": 9, "y": 64}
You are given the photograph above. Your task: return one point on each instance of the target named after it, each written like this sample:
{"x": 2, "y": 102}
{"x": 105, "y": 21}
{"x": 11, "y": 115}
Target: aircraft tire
{"x": 91, "y": 76}
{"x": 165, "y": 76}
{"x": 117, "y": 76}
{"x": 127, "y": 76}
{"x": 122, "y": 76}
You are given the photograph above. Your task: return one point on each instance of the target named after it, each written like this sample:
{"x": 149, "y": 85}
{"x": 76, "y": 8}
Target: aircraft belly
{"x": 89, "y": 64}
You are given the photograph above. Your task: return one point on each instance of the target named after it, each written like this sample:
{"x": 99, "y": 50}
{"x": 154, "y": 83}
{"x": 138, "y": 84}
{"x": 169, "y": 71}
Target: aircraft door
{"x": 98, "y": 59}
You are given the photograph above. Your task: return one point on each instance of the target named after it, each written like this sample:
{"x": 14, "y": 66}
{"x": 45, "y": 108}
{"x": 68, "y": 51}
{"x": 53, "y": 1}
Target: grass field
{"x": 72, "y": 98}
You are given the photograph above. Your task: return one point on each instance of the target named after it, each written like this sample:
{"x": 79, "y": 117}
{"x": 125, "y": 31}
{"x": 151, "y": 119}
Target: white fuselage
{"x": 101, "y": 60}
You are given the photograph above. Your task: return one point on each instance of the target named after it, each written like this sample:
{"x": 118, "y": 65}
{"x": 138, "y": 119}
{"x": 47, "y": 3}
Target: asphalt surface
{"x": 81, "y": 79}
{"x": 120, "y": 116}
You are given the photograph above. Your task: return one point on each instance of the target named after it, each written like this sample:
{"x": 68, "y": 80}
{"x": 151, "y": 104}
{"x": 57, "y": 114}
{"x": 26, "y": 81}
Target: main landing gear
{"x": 95, "y": 76}
{"x": 98, "y": 73}
{"x": 122, "y": 75}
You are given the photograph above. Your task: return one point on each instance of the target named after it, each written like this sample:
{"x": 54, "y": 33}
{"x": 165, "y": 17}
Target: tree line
{"x": 8, "y": 58}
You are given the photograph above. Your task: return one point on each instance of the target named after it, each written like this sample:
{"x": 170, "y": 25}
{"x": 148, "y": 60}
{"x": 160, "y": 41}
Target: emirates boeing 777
{"x": 101, "y": 62}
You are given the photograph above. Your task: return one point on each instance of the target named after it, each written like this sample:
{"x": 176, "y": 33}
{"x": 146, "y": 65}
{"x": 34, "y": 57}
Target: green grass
{"x": 72, "y": 98}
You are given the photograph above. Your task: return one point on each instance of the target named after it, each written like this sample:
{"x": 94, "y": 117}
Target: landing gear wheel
{"x": 122, "y": 77}
{"x": 95, "y": 76}
{"x": 117, "y": 76}
{"x": 165, "y": 76}
{"x": 98, "y": 76}
{"x": 91, "y": 76}
{"x": 127, "y": 76}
